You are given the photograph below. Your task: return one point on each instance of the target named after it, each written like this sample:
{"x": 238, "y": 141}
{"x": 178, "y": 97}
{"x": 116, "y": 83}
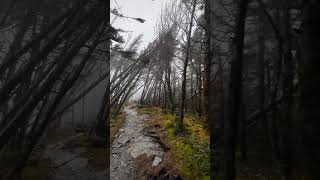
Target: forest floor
{"x": 146, "y": 147}
{"x": 188, "y": 152}
{"x": 75, "y": 159}
{"x": 68, "y": 155}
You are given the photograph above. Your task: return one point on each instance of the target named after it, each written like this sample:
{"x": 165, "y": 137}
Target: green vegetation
{"x": 191, "y": 149}
{"x": 116, "y": 124}
{"x": 147, "y": 110}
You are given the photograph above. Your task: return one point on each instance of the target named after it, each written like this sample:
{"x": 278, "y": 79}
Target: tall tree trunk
{"x": 243, "y": 132}
{"x": 208, "y": 57}
{"x": 261, "y": 77}
{"x": 235, "y": 92}
{"x": 169, "y": 87}
{"x": 185, "y": 66}
{"x": 286, "y": 122}
{"x": 310, "y": 87}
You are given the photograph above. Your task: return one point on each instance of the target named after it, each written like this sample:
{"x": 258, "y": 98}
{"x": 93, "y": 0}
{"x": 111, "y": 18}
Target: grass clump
{"x": 116, "y": 124}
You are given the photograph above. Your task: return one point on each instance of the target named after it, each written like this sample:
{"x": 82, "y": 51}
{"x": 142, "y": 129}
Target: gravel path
{"x": 130, "y": 143}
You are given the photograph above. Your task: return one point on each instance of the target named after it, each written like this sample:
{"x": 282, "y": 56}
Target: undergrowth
{"x": 115, "y": 124}
{"x": 190, "y": 148}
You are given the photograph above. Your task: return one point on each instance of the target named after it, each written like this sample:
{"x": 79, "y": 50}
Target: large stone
{"x": 157, "y": 160}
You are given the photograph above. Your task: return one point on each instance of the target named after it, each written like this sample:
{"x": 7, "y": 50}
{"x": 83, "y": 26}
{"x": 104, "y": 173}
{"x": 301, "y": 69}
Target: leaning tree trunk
{"x": 101, "y": 129}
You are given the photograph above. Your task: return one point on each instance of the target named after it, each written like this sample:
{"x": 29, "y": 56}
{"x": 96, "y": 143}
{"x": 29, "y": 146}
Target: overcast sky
{"x": 148, "y": 10}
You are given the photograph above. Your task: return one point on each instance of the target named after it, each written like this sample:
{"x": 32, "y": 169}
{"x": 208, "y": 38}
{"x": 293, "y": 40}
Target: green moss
{"x": 191, "y": 149}
{"x": 145, "y": 109}
{"x": 116, "y": 124}
{"x": 168, "y": 124}
{"x": 192, "y": 157}
{"x": 205, "y": 178}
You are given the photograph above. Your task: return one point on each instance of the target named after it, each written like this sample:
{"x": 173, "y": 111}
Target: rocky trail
{"x": 133, "y": 140}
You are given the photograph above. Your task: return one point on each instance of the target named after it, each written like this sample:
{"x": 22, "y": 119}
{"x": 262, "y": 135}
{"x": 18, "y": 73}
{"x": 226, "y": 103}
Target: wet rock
{"x": 145, "y": 145}
{"x": 157, "y": 160}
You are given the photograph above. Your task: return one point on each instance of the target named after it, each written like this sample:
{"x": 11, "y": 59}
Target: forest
{"x": 226, "y": 89}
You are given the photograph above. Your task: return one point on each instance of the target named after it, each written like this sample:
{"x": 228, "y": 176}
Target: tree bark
{"x": 185, "y": 66}
{"x": 310, "y": 87}
{"x": 235, "y": 93}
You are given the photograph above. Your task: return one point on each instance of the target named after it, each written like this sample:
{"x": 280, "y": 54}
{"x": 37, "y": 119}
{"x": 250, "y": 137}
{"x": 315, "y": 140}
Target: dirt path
{"x": 130, "y": 143}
